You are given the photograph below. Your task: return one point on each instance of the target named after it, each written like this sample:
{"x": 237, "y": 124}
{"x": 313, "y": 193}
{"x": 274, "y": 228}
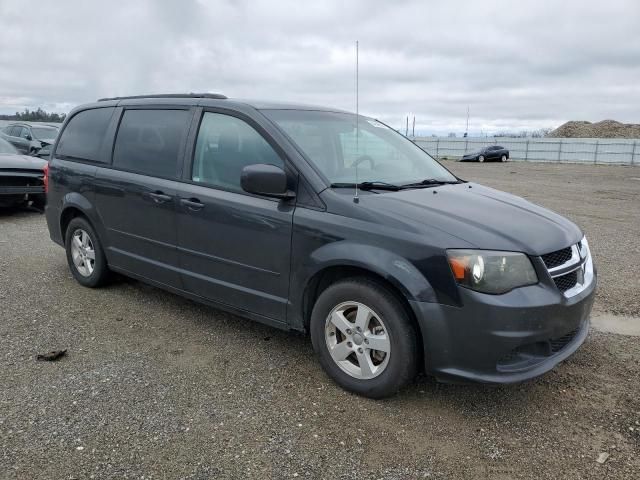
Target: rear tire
{"x": 85, "y": 255}
{"x": 481, "y": 158}
{"x": 503, "y": 158}
{"x": 352, "y": 324}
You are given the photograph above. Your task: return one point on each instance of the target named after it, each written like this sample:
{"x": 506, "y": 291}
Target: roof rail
{"x": 169, "y": 95}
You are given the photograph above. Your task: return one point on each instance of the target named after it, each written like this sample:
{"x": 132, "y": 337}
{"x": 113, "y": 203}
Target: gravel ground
{"x": 156, "y": 386}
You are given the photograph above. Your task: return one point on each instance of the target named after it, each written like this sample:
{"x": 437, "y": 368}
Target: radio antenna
{"x": 355, "y": 198}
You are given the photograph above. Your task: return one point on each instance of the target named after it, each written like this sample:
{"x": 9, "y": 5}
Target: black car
{"x": 21, "y": 178}
{"x": 492, "y": 153}
{"x": 27, "y": 138}
{"x": 316, "y": 220}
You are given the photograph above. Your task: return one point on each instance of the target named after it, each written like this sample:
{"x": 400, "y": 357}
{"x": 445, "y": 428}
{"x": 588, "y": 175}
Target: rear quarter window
{"x": 150, "y": 141}
{"x": 83, "y": 136}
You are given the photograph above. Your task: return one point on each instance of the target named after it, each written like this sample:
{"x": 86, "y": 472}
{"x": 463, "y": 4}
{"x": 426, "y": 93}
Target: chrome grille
{"x": 570, "y": 268}
{"x": 557, "y": 258}
{"x": 565, "y": 282}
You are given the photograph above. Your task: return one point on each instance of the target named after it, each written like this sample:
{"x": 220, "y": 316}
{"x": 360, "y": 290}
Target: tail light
{"x": 45, "y": 179}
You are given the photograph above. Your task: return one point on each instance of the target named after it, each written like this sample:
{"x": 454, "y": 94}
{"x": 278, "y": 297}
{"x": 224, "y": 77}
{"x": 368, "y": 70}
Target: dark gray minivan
{"x": 318, "y": 220}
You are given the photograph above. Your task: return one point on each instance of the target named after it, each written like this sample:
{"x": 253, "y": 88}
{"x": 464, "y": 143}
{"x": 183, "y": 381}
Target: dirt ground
{"x": 155, "y": 386}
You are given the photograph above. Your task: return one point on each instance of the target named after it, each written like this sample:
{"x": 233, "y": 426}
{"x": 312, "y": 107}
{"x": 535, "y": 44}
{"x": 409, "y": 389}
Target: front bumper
{"x": 503, "y": 338}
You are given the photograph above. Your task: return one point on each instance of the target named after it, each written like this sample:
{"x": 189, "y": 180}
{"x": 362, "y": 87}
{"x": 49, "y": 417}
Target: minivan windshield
{"x": 337, "y": 144}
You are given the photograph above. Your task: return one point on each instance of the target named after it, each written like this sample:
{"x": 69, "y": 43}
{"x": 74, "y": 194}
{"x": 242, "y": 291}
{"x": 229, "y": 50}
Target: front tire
{"x": 481, "y": 158}
{"x": 85, "y": 255}
{"x": 503, "y": 158}
{"x": 364, "y": 338}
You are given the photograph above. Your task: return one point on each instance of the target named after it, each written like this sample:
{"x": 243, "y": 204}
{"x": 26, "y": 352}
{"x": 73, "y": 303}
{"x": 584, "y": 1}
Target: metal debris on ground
{"x": 51, "y": 356}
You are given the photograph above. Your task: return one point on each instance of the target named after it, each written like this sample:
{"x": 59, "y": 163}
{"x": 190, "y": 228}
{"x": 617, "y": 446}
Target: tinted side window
{"x": 224, "y": 147}
{"x": 149, "y": 141}
{"x": 83, "y": 136}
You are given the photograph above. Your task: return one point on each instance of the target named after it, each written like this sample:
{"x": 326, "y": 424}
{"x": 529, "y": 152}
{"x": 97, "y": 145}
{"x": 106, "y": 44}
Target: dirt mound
{"x": 603, "y": 129}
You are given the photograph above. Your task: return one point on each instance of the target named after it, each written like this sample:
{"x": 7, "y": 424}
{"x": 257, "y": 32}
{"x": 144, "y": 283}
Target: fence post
{"x": 526, "y": 152}
{"x": 559, "y": 149}
{"x": 633, "y": 153}
{"x": 595, "y": 153}
{"x": 466, "y": 142}
{"x": 438, "y": 148}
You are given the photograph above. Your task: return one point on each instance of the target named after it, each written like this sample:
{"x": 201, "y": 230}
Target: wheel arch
{"x": 76, "y": 205}
{"x": 327, "y": 276}
{"x": 340, "y": 260}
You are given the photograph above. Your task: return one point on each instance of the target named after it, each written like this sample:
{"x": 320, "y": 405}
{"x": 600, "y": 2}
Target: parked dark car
{"x": 27, "y": 138}
{"x": 488, "y": 154}
{"x": 21, "y": 178}
{"x": 252, "y": 207}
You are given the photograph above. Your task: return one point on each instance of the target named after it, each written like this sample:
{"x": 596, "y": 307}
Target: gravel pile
{"x": 603, "y": 129}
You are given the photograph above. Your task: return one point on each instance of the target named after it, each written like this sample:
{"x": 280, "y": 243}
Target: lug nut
{"x": 358, "y": 328}
{"x": 349, "y": 344}
{"x": 348, "y": 331}
{"x": 359, "y": 350}
{"x": 366, "y": 341}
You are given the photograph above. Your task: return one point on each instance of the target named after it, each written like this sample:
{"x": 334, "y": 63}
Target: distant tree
{"x": 38, "y": 115}
{"x": 542, "y": 132}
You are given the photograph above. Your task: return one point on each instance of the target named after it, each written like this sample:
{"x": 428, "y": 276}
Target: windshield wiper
{"x": 377, "y": 185}
{"x": 430, "y": 182}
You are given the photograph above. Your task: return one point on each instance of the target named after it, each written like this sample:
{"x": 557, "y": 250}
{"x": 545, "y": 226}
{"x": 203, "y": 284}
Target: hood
{"x": 481, "y": 216}
{"x": 11, "y": 161}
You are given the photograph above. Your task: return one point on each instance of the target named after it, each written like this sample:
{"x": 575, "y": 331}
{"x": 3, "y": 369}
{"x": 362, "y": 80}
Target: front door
{"x": 234, "y": 247}
{"x": 136, "y": 198}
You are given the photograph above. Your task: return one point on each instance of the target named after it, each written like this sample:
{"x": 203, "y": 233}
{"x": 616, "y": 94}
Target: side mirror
{"x": 28, "y": 137}
{"x": 263, "y": 179}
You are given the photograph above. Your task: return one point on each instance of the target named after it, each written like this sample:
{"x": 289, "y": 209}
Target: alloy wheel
{"x": 83, "y": 253}
{"x": 357, "y": 340}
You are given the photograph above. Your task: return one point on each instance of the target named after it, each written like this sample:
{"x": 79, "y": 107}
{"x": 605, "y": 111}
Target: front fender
{"x": 388, "y": 265}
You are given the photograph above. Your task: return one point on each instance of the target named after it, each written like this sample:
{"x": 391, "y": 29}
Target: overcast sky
{"x": 517, "y": 64}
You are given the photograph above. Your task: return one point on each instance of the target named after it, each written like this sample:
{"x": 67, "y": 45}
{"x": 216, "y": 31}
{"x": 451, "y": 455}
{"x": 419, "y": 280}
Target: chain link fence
{"x": 570, "y": 150}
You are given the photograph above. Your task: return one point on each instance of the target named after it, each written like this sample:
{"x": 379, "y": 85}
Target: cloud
{"x": 515, "y": 64}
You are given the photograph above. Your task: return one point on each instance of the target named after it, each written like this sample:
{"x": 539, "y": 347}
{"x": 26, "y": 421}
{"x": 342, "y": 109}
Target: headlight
{"x": 491, "y": 272}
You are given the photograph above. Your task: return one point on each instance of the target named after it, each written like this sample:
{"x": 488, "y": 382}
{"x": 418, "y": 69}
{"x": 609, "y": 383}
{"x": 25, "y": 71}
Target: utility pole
{"x": 413, "y": 129}
{"x": 466, "y": 131}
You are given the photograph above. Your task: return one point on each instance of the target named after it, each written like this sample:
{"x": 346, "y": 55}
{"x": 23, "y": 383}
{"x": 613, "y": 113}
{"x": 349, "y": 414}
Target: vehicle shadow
{"x": 294, "y": 348}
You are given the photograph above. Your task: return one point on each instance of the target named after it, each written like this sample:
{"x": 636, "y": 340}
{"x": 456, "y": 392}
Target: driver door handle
{"x": 192, "y": 203}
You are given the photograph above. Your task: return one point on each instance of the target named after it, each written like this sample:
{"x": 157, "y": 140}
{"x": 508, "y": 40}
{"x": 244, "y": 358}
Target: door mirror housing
{"x": 267, "y": 180}
{"x": 28, "y": 137}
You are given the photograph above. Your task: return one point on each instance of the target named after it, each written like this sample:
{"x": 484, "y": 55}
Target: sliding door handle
{"x": 160, "y": 197}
